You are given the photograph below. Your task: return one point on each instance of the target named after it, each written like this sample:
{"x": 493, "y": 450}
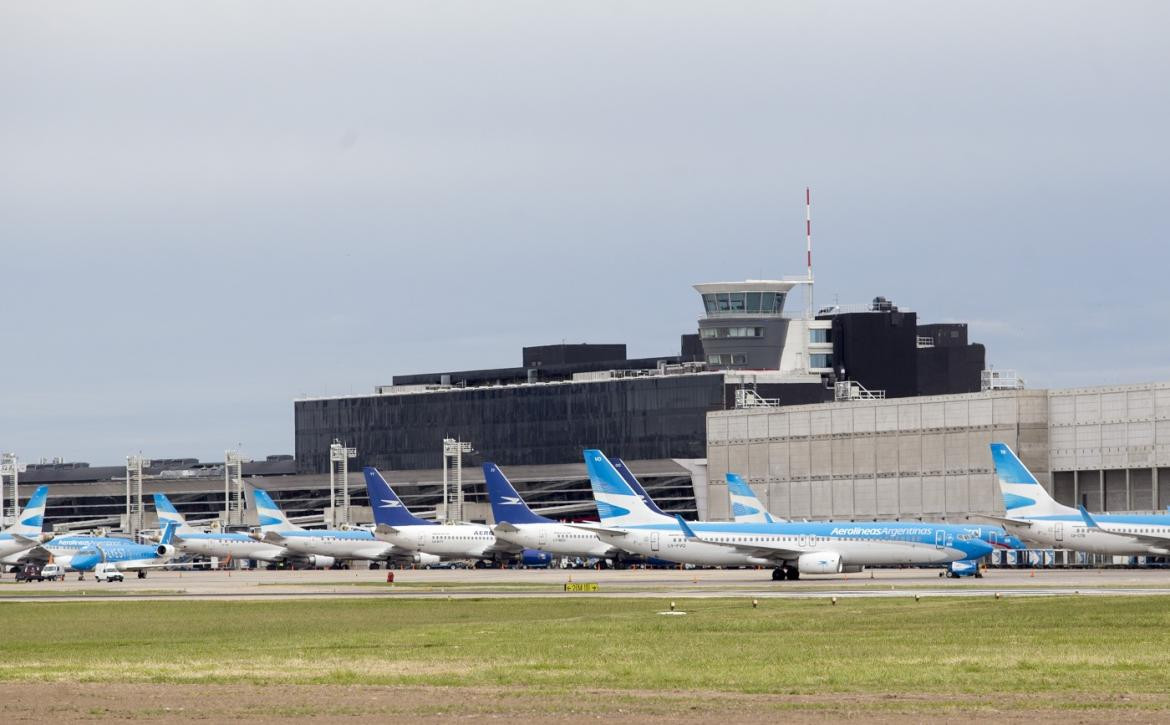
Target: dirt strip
{"x": 116, "y": 703}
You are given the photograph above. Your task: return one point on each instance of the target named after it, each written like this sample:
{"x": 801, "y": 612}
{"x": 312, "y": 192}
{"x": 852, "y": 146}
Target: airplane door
{"x": 1058, "y": 532}
{"x": 939, "y": 539}
{"x": 541, "y": 537}
{"x": 653, "y": 541}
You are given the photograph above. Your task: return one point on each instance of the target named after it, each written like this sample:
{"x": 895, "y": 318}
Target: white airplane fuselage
{"x": 235, "y": 546}
{"x": 449, "y": 541}
{"x": 674, "y": 546}
{"x": 558, "y": 539}
{"x": 1110, "y": 538}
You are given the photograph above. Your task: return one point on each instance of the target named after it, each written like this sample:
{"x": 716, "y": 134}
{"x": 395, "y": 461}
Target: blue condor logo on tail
{"x": 739, "y": 509}
{"x": 507, "y": 504}
{"x": 388, "y": 508}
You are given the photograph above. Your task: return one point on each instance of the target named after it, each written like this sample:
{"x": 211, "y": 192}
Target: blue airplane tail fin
{"x": 168, "y": 533}
{"x": 746, "y": 506}
{"x": 506, "y": 502}
{"x": 632, "y": 481}
{"x": 617, "y": 504}
{"x": 1023, "y": 496}
{"x": 387, "y": 507}
{"x": 167, "y": 512}
{"x": 270, "y": 515}
{"x": 32, "y": 517}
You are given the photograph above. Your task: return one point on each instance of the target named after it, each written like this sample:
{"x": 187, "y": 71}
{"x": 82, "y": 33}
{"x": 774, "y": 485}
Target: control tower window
{"x": 753, "y": 302}
{"x": 724, "y": 304}
{"x": 737, "y": 301}
{"x": 710, "y": 303}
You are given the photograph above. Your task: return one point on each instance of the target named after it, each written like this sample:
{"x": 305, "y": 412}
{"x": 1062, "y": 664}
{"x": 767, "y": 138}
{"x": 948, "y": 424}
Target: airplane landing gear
{"x": 793, "y": 573}
{"x": 777, "y": 574}
{"x": 141, "y": 573}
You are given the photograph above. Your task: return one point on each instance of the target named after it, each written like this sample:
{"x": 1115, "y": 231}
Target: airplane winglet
{"x": 682, "y": 524}
{"x": 1088, "y": 519}
{"x": 505, "y": 527}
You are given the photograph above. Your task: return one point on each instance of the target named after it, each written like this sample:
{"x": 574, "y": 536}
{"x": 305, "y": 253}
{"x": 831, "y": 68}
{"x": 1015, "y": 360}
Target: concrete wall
{"x": 910, "y": 457}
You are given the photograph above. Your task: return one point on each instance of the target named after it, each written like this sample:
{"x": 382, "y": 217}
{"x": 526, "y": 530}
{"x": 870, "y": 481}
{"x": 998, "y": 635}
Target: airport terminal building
{"x": 855, "y": 412}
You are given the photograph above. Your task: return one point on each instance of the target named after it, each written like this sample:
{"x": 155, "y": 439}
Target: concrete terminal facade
{"x": 927, "y": 457}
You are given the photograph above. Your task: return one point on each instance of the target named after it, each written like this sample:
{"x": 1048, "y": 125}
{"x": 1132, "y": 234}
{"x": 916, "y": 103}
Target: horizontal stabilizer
{"x": 999, "y": 519}
{"x": 682, "y": 524}
{"x": 600, "y": 529}
{"x": 505, "y": 527}
{"x": 1092, "y": 524}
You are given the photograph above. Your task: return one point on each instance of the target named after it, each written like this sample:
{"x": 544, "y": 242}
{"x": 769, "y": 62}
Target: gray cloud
{"x": 212, "y": 208}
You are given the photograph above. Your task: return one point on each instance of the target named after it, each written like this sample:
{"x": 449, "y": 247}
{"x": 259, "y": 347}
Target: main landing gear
{"x": 141, "y": 573}
{"x": 780, "y": 573}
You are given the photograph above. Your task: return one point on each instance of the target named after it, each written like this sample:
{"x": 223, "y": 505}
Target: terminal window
{"x": 820, "y": 361}
{"x": 820, "y": 335}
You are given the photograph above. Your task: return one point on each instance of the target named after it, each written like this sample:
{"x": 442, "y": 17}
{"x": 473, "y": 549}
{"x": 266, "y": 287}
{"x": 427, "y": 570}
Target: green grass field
{"x": 1043, "y": 647}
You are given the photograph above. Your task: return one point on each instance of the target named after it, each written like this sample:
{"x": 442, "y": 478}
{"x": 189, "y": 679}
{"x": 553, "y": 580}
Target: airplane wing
{"x": 761, "y": 549}
{"x": 505, "y": 527}
{"x": 272, "y": 537}
{"x": 385, "y": 529}
{"x": 600, "y": 529}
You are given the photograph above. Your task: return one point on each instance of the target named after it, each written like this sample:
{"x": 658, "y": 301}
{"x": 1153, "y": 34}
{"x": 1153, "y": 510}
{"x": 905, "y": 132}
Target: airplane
{"x": 126, "y": 555}
{"x": 1033, "y": 514}
{"x": 319, "y": 546}
{"x": 407, "y": 533}
{"x": 25, "y": 533}
{"x": 747, "y": 508}
{"x": 793, "y": 549}
{"x": 227, "y": 544}
{"x": 518, "y": 525}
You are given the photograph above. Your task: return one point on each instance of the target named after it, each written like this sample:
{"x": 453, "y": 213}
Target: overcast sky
{"x": 209, "y": 209}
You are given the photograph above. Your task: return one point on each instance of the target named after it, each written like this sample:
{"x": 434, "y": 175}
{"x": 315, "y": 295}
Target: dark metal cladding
{"x": 639, "y": 418}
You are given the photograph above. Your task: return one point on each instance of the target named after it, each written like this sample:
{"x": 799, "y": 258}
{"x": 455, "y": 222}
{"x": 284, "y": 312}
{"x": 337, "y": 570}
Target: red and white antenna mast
{"x": 808, "y": 253}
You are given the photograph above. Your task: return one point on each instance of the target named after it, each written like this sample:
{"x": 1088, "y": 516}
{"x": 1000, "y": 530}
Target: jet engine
{"x": 820, "y": 562}
{"x": 165, "y": 550}
{"x": 535, "y": 559}
{"x": 425, "y": 559}
{"x": 319, "y": 562}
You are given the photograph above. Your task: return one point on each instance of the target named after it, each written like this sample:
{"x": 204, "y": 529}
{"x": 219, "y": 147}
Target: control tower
{"x": 745, "y": 327}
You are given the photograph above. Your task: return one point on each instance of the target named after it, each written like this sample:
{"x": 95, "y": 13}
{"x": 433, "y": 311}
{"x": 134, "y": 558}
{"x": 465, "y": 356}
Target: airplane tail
{"x": 168, "y": 533}
{"x": 1023, "y": 496}
{"x": 506, "y": 502}
{"x": 632, "y": 481}
{"x": 617, "y": 504}
{"x": 271, "y": 517}
{"x": 746, "y": 507}
{"x": 167, "y": 512}
{"x": 32, "y": 517}
{"x": 388, "y": 508}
